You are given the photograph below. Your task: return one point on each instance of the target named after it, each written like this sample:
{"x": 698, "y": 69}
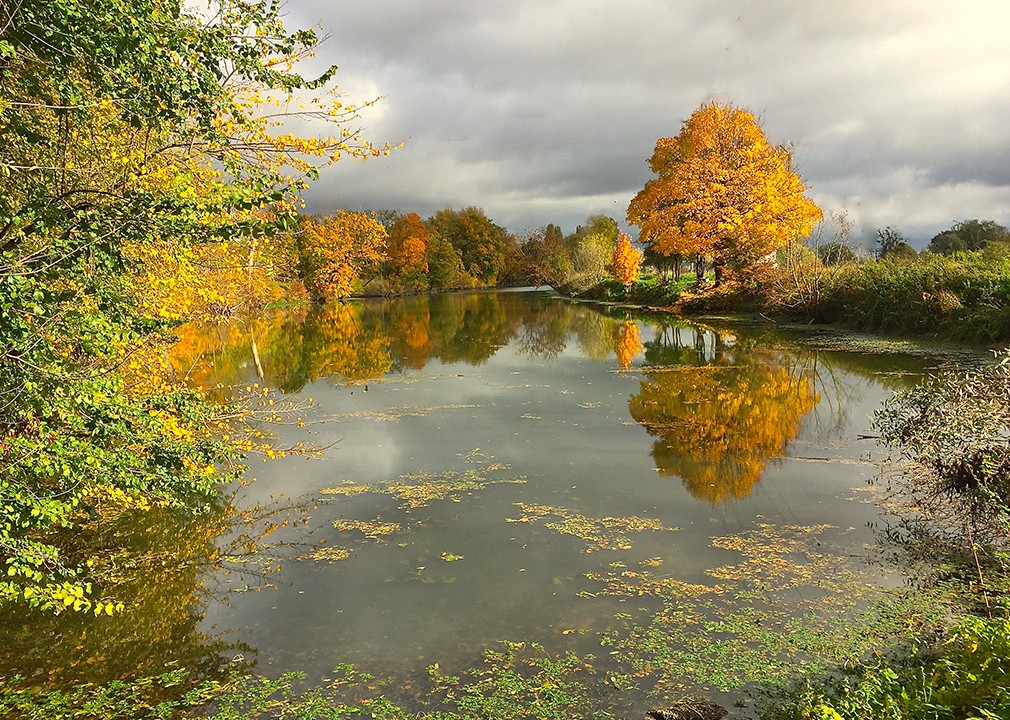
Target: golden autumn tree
{"x": 336, "y": 250}
{"x": 722, "y": 190}
{"x": 407, "y": 253}
{"x": 626, "y": 263}
{"x": 235, "y": 258}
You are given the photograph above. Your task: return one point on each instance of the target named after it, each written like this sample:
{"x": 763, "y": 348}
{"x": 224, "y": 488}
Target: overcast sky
{"x": 898, "y": 111}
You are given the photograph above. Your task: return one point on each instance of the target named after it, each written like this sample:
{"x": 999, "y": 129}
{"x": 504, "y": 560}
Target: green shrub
{"x": 963, "y": 296}
{"x": 953, "y": 433}
{"x": 968, "y": 676}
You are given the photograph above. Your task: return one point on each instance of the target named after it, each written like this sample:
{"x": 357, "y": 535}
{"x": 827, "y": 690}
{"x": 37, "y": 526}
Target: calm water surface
{"x": 491, "y": 457}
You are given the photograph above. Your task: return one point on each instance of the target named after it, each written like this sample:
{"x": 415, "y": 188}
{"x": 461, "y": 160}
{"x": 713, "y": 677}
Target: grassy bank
{"x": 964, "y": 297}
{"x": 650, "y": 290}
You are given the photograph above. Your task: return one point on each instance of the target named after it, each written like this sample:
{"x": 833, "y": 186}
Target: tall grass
{"x": 965, "y": 296}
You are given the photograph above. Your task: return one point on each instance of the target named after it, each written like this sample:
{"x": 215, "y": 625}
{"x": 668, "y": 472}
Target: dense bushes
{"x": 969, "y": 677}
{"x": 650, "y": 289}
{"x": 964, "y": 296}
{"x": 953, "y": 435}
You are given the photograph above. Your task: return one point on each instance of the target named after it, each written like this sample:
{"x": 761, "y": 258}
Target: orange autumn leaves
{"x": 627, "y": 343}
{"x": 407, "y": 251}
{"x": 722, "y": 190}
{"x": 335, "y": 251}
{"x": 626, "y": 263}
{"x": 329, "y": 257}
{"x": 341, "y": 253}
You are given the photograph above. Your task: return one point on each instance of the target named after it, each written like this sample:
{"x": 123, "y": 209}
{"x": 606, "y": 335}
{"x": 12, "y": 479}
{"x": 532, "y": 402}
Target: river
{"x": 693, "y": 504}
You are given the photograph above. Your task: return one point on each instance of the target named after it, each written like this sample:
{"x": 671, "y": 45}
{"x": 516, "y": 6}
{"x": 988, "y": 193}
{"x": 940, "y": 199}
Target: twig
{"x": 978, "y": 566}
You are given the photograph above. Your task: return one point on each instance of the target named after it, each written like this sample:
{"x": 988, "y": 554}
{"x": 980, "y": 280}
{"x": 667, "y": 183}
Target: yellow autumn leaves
{"x": 626, "y": 263}
{"x": 337, "y": 249}
{"x": 722, "y": 190}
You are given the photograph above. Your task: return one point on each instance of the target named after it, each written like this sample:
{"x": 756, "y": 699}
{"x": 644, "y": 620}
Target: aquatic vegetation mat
{"x": 395, "y": 414}
{"x": 418, "y": 489}
{"x": 328, "y": 554}
{"x": 374, "y": 529}
{"x": 608, "y": 533}
{"x": 793, "y": 602}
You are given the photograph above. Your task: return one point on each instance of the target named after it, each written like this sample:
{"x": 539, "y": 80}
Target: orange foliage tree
{"x": 336, "y": 250}
{"x": 407, "y": 253}
{"x": 626, "y": 263}
{"x": 722, "y": 190}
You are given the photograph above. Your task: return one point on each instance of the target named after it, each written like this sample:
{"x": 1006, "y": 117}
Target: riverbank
{"x": 959, "y": 670}
{"x": 964, "y": 298}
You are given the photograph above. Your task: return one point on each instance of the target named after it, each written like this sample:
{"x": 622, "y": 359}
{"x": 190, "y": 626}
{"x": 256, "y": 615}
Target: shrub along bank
{"x": 965, "y": 296}
{"x": 961, "y": 297}
{"x": 951, "y": 433}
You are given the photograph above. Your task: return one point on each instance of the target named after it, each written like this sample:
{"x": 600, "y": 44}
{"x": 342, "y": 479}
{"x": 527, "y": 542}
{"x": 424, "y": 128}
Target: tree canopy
{"x": 334, "y": 252}
{"x": 486, "y": 249}
{"x": 888, "y": 240}
{"x": 968, "y": 235}
{"x": 722, "y": 190}
{"x": 126, "y": 125}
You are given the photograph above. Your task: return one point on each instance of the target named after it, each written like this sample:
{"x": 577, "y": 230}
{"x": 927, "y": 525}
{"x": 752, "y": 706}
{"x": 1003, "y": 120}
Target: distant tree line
{"x": 386, "y": 252}
{"x": 963, "y": 236}
{"x": 389, "y": 252}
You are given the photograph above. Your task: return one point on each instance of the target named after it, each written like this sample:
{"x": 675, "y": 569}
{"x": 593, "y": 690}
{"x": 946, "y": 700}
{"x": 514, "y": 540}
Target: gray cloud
{"x": 546, "y": 111}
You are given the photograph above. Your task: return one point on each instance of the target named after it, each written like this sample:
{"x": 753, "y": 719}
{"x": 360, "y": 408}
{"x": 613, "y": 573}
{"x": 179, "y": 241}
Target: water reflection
{"x": 720, "y": 411}
{"x": 357, "y": 342}
{"x": 159, "y": 581}
{"x": 585, "y": 404}
{"x": 627, "y": 343}
{"x": 167, "y": 567}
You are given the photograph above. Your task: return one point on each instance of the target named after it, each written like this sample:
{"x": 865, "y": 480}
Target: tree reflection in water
{"x": 627, "y": 343}
{"x": 720, "y": 412}
{"x": 360, "y": 341}
{"x": 159, "y": 562}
